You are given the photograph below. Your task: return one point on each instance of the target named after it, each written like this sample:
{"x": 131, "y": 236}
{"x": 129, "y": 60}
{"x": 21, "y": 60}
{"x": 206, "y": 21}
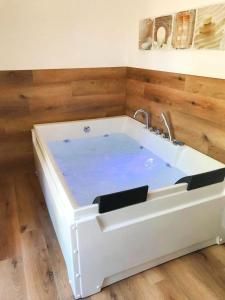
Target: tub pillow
{"x": 122, "y": 199}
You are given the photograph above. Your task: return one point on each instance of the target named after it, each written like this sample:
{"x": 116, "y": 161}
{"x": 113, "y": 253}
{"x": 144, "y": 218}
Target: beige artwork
{"x": 145, "y": 34}
{"x": 210, "y": 27}
{"x": 183, "y": 29}
{"x": 163, "y": 32}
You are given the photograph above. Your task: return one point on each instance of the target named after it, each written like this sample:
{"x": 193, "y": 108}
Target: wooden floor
{"x": 32, "y": 266}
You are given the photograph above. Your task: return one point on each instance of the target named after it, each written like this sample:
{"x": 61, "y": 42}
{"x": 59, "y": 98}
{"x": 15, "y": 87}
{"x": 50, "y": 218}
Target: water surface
{"x": 107, "y": 164}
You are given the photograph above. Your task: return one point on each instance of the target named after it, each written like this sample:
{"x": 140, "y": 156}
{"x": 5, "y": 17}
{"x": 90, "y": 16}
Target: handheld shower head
{"x": 167, "y": 125}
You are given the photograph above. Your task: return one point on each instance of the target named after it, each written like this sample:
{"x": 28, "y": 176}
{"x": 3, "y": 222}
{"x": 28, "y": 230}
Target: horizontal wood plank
{"x": 205, "y": 86}
{"x": 172, "y": 80}
{"x": 98, "y": 87}
{"x": 13, "y": 102}
{"x": 67, "y": 75}
{"x": 206, "y": 108}
{"x": 16, "y": 77}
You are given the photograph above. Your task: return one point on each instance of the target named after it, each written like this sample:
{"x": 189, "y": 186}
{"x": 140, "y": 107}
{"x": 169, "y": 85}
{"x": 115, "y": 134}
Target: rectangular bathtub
{"x": 182, "y": 212}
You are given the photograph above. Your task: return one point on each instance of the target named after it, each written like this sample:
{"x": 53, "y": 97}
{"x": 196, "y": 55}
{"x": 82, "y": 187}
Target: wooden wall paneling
{"x": 16, "y": 125}
{"x": 196, "y": 106}
{"x": 14, "y": 109}
{"x": 136, "y": 99}
{"x": 99, "y": 105}
{"x": 41, "y": 96}
{"x": 68, "y": 75}
{"x": 48, "y": 103}
{"x": 172, "y": 80}
{"x": 203, "y": 107}
{"x": 13, "y": 103}
{"x": 98, "y": 87}
{"x": 200, "y": 134}
{"x": 15, "y": 147}
{"x": 16, "y": 77}
{"x": 205, "y": 86}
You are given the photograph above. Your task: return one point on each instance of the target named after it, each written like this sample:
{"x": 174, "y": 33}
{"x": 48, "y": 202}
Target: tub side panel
{"x": 111, "y": 252}
{"x": 61, "y": 216}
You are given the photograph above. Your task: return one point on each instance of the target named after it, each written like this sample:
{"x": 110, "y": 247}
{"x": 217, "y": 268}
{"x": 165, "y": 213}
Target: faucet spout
{"x": 146, "y": 114}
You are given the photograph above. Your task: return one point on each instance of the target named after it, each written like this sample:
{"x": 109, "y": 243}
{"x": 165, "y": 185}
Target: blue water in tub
{"x": 107, "y": 164}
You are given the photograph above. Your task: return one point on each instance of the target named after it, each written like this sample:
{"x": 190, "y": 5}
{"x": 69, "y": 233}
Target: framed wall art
{"x": 210, "y": 27}
{"x": 145, "y": 34}
{"x": 163, "y": 32}
{"x": 183, "y": 29}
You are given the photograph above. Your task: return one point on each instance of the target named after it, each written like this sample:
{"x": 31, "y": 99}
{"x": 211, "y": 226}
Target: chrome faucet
{"x": 146, "y": 114}
{"x": 168, "y": 127}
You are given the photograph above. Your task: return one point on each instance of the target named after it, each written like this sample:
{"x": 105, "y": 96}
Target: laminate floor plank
{"x": 12, "y": 281}
{"x": 38, "y": 270}
{"x": 9, "y": 226}
{"x": 26, "y": 203}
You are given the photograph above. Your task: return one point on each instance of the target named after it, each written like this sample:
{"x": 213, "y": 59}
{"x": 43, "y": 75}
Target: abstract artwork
{"x": 163, "y": 32}
{"x": 210, "y": 27}
{"x": 183, "y": 29}
{"x": 145, "y": 34}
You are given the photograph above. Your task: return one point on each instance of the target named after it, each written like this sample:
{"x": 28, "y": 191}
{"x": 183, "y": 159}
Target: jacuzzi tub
{"x": 78, "y": 161}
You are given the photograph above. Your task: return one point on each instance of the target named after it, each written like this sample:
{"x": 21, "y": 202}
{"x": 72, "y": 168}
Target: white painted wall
{"x": 39, "y": 34}
{"x": 197, "y": 62}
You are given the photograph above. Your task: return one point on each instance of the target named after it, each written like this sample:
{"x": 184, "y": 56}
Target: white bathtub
{"x": 100, "y": 249}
